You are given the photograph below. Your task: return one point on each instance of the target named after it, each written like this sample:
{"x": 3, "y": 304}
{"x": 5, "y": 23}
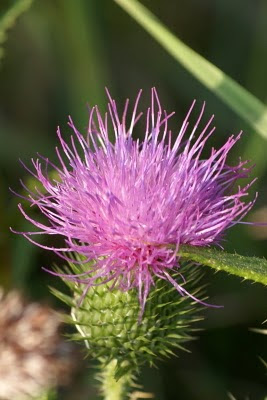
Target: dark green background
{"x": 59, "y": 56}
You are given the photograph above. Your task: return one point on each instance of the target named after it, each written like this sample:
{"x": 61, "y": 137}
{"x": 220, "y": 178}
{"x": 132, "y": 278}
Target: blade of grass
{"x": 247, "y": 106}
{"x": 8, "y": 19}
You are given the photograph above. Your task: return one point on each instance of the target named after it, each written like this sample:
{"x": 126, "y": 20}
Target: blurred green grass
{"x": 58, "y": 57}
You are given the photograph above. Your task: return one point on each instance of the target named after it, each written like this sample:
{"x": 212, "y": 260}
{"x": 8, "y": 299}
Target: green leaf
{"x": 252, "y": 268}
{"x": 247, "y": 106}
{"x": 9, "y": 17}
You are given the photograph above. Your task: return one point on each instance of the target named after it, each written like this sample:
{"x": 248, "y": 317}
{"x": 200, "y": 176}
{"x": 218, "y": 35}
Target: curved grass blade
{"x": 9, "y": 17}
{"x": 252, "y": 268}
{"x": 247, "y": 106}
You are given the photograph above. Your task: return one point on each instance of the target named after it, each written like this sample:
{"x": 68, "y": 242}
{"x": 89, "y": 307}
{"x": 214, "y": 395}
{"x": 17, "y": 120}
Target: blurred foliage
{"x": 247, "y": 106}
{"x": 58, "y": 57}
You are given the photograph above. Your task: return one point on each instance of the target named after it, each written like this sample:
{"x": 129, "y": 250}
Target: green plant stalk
{"x": 111, "y": 388}
{"x": 247, "y": 106}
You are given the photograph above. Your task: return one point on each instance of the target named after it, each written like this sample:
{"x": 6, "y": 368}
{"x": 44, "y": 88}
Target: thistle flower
{"x": 33, "y": 358}
{"x": 130, "y": 204}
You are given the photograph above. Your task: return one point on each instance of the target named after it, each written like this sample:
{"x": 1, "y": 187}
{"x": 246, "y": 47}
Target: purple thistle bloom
{"x": 129, "y": 205}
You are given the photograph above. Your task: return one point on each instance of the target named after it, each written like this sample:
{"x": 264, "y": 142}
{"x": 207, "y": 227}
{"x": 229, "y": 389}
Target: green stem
{"x": 111, "y": 388}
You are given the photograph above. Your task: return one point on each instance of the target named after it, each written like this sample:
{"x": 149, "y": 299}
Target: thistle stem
{"x": 111, "y": 388}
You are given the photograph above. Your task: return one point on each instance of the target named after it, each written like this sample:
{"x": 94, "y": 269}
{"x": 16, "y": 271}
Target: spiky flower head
{"x": 129, "y": 204}
{"x": 33, "y": 357}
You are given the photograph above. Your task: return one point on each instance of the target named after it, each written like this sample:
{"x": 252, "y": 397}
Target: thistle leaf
{"x": 252, "y": 268}
{"x": 247, "y": 106}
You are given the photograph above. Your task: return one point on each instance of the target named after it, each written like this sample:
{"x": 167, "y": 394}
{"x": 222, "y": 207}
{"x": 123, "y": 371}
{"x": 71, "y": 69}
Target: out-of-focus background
{"x": 59, "y": 56}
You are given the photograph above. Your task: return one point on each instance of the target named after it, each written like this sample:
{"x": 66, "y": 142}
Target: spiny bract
{"x": 107, "y": 321}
